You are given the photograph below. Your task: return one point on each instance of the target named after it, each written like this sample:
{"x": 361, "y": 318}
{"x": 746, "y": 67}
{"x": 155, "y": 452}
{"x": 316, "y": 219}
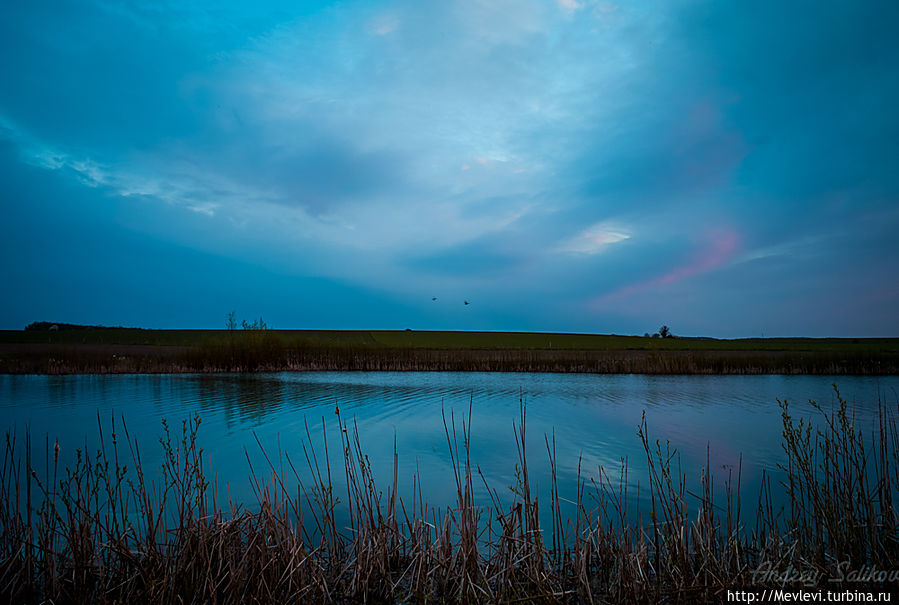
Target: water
{"x": 735, "y": 421}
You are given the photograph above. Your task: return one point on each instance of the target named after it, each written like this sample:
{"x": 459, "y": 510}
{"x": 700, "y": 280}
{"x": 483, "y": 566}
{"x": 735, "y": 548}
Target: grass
{"x": 102, "y": 533}
{"x": 115, "y": 350}
{"x": 453, "y": 340}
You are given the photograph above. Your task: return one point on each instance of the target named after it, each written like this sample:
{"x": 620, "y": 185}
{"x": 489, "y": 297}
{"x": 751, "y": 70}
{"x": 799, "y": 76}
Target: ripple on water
{"x": 731, "y": 420}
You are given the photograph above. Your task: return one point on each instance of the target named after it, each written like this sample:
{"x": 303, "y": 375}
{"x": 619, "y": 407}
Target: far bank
{"x": 131, "y": 350}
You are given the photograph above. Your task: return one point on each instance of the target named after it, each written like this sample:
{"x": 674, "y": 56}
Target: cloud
{"x": 570, "y": 5}
{"x": 606, "y": 8}
{"x": 720, "y": 248}
{"x": 383, "y": 25}
{"x": 595, "y": 239}
{"x": 471, "y": 261}
{"x": 411, "y": 144}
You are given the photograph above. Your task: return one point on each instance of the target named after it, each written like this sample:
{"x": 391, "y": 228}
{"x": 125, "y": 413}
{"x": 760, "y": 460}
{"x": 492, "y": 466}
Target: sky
{"x": 729, "y": 169}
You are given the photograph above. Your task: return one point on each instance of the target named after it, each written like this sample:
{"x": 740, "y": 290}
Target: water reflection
{"x": 593, "y": 417}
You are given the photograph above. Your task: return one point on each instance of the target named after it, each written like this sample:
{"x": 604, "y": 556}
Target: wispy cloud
{"x": 516, "y": 149}
{"x": 595, "y": 239}
{"x": 383, "y": 25}
{"x": 720, "y": 248}
{"x": 570, "y": 5}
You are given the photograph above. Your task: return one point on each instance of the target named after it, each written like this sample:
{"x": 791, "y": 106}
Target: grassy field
{"x": 447, "y": 340}
{"x": 138, "y": 350}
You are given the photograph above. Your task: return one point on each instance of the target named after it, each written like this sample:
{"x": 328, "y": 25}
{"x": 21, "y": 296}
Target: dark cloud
{"x": 71, "y": 260}
{"x": 475, "y": 260}
{"x": 416, "y": 145}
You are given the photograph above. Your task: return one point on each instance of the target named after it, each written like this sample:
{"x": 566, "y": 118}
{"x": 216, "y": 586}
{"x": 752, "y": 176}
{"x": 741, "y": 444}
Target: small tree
{"x": 664, "y": 332}
{"x": 231, "y": 321}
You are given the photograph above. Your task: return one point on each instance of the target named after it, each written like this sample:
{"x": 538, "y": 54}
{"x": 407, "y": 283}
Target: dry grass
{"x": 255, "y": 350}
{"x": 102, "y": 533}
{"x": 275, "y": 355}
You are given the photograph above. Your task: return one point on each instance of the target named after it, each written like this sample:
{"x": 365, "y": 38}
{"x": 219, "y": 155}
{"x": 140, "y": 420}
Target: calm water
{"x": 594, "y": 417}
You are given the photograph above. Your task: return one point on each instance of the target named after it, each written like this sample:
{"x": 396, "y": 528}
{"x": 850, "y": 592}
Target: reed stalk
{"x": 102, "y": 531}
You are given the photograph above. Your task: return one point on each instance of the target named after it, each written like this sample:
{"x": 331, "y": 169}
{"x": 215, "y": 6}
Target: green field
{"x": 448, "y": 340}
{"x": 131, "y": 350}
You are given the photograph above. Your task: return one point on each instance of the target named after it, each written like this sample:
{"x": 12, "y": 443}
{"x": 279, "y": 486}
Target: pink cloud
{"x": 723, "y": 244}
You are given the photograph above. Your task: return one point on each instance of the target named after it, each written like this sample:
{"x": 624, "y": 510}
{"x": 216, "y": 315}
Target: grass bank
{"x": 102, "y": 533}
{"x": 122, "y": 350}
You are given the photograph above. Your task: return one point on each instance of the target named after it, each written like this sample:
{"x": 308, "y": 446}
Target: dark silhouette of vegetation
{"x": 46, "y": 326}
{"x": 107, "y": 532}
{"x": 270, "y": 351}
{"x": 257, "y": 347}
{"x": 249, "y": 349}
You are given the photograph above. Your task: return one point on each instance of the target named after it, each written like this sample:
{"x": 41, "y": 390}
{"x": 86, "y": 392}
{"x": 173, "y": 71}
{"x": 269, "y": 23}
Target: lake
{"x": 735, "y": 421}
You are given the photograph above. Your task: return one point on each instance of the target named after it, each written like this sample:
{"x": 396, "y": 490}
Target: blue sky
{"x": 729, "y": 169}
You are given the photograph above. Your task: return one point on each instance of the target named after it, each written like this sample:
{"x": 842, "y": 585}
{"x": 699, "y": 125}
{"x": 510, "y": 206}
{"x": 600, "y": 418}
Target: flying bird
{"x": 466, "y": 302}
{"x": 433, "y": 298}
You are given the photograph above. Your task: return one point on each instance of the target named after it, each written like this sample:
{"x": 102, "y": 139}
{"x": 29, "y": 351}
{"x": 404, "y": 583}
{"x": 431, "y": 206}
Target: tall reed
{"x": 101, "y": 531}
{"x": 268, "y": 351}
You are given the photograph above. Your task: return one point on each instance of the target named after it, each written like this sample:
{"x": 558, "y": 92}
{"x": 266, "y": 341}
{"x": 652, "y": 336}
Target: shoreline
{"x": 148, "y": 359}
{"x": 138, "y": 351}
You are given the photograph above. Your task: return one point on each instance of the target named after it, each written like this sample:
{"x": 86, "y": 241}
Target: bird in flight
{"x": 466, "y": 302}
{"x": 433, "y": 298}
